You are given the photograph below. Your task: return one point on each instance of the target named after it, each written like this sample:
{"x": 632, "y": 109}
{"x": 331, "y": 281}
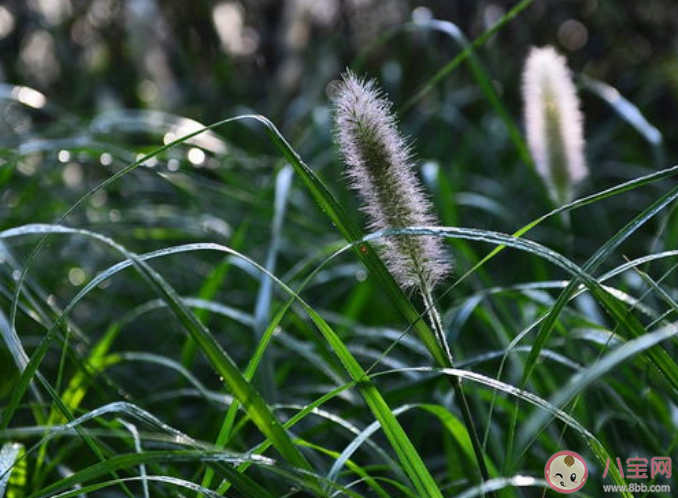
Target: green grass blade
{"x": 131, "y": 460}
{"x": 625, "y": 320}
{"x": 243, "y": 390}
{"x": 8, "y": 455}
{"x": 485, "y": 83}
{"x": 224, "y": 365}
{"x": 283, "y": 184}
{"x": 331, "y": 207}
{"x": 500, "y": 483}
{"x": 579, "y": 382}
{"x": 629, "y": 113}
{"x": 593, "y": 443}
{"x": 478, "y": 42}
{"x": 172, "y": 481}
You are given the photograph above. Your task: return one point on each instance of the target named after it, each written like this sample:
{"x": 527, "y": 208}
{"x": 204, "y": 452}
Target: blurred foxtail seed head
{"x": 554, "y": 122}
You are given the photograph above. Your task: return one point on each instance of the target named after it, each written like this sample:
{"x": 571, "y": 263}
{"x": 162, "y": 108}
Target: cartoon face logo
{"x": 566, "y": 472}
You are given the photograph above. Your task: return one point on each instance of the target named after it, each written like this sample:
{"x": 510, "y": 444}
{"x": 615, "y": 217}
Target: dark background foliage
{"x": 207, "y": 59}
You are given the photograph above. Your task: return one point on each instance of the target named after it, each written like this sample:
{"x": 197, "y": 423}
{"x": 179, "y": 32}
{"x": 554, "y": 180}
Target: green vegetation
{"x": 200, "y": 310}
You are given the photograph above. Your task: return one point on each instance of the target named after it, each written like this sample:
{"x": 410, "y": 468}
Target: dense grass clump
{"x": 196, "y": 310}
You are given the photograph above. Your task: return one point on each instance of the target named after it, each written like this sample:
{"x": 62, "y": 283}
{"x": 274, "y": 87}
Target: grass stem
{"x": 455, "y": 382}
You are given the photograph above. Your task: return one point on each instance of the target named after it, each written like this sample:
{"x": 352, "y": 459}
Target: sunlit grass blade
{"x": 344, "y": 223}
{"x": 171, "y": 481}
{"x": 500, "y": 483}
{"x": 593, "y": 443}
{"x": 579, "y": 382}
{"x": 283, "y": 185}
{"x": 451, "y": 423}
{"x": 629, "y": 113}
{"x": 131, "y": 460}
{"x": 241, "y": 388}
{"x": 8, "y": 455}
{"x": 664, "y": 362}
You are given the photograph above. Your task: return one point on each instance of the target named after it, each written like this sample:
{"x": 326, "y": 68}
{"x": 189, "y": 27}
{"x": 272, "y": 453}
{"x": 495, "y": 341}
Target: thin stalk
{"x": 455, "y": 382}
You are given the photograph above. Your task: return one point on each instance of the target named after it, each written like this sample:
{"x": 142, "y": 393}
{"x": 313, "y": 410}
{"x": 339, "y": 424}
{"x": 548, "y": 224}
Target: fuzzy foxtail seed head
{"x": 554, "y": 122}
{"x": 379, "y": 167}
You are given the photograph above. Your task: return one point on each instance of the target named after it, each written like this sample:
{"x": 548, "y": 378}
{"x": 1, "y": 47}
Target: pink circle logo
{"x": 566, "y": 472}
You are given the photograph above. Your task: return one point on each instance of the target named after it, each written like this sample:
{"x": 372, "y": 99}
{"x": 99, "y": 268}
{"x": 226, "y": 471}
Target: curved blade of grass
{"x": 217, "y": 124}
{"x": 224, "y": 365}
{"x": 580, "y": 381}
{"x": 198, "y": 304}
{"x": 655, "y": 287}
{"x": 179, "y": 483}
{"x": 364, "y": 435}
{"x": 8, "y": 455}
{"x": 121, "y": 462}
{"x": 364, "y": 476}
{"x": 546, "y": 354}
{"x": 503, "y": 483}
{"x": 166, "y": 362}
{"x": 450, "y": 66}
{"x": 137, "y": 447}
{"x": 629, "y": 113}
{"x": 13, "y": 343}
{"x": 291, "y": 422}
{"x": 449, "y": 421}
{"x": 627, "y": 321}
{"x": 593, "y": 443}
{"x": 130, "y": 410}
{"x": 283, "y": 184}
{"x": 119, "y": 408}
{"x": 158, "y": 122}
{"x": 241, "y": 388}
{"x": 342, "y": 422}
